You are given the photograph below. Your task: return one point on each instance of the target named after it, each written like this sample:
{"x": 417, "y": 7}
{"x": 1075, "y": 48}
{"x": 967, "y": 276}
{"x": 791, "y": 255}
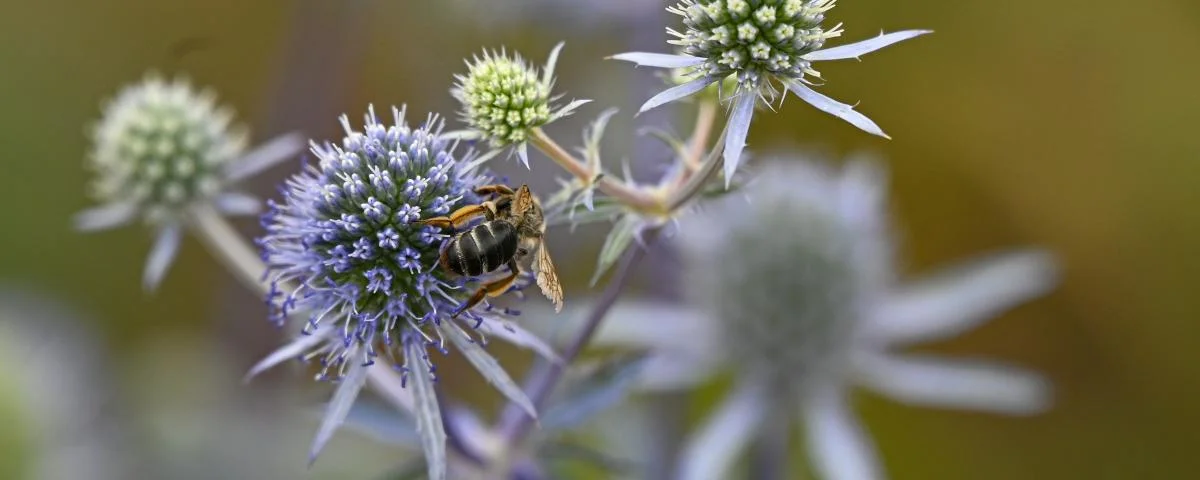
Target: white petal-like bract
{"x": 857, "y": 49}
{"x": 963, "y": 297}
{"x": 166, "y": 246}
{"x": 837, "y": 444}
{"x": 660, "y": 60}
{"x": 835, "y": 108}
{"x": 712, "y": 451}
{"x": 959, "y": 384}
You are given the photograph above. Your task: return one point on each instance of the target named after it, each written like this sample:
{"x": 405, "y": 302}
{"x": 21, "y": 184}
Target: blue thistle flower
{"x": 762, "y": 44}
{"x": 343, "y": 251}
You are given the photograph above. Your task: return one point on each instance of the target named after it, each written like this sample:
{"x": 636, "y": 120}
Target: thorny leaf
{"x": 487, "y": 366}
{"x": 835, "y": 108}
{"x": 592, "y": 136}
{"x": 575, "y": 214}
{"x": 520, "y": 337}
{"x": 618, "y": 240}
{"x": 858, "y": 49}
{"x": 343, "y": 398}
{"x": 677, "y": 145}
{"x": 428, "y": 413}
{"x": 738, "y": 128}
{"x": 660, "y": 60}
{"x": 677, "y": 92}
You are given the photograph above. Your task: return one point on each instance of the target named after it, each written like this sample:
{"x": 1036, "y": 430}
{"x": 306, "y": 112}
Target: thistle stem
{"x": 514, "y": 422}
{"x": 695, "y": 183}
{"x": 223, "y": 242}
{"x": 638, "y": 200}
{"x": 706, "y": 115}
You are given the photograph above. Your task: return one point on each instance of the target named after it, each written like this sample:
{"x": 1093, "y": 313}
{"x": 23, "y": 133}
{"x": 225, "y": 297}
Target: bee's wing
{"x": 547, "y": 278}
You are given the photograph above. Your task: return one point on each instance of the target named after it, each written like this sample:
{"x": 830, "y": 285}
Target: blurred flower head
{"x": 58, "y": 395}
{"x": 504, "y": 99}
{"x": 795, "y": 293}
{"x": 766, "y": 46}
{"x": 344, "y": 250}
{"x": 163, "y": 149}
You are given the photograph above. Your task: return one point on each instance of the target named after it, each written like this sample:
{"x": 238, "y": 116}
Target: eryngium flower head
{"x": 162, "y": 146}
{"x": 346, "y": 232}
{"x": 806, "y": 257}
{"x": 504, "y": 99}
{"x": 162, "y": 150}
{"x": 342, "y": 249}
{"x": 796, "y": 293}
{"x": 753, "y": 39}
{"x": 763, "y": 44}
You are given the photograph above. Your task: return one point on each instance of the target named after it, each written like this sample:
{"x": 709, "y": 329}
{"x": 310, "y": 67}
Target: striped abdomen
{"x": 483, "y": 248}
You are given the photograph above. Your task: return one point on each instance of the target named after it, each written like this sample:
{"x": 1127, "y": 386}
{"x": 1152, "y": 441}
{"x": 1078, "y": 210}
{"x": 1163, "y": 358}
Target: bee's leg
{"x": 459, "y": 217}
{"x": 498, "y": 189}
{"x": 491, "y": 289}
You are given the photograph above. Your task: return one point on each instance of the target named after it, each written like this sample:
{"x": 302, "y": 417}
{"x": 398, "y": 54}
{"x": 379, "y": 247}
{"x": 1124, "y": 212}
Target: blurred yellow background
{"x": 1062, "y": 123}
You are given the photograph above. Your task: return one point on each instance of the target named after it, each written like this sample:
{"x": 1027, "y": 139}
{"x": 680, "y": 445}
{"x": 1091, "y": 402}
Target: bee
{"x": 514, "y": 227}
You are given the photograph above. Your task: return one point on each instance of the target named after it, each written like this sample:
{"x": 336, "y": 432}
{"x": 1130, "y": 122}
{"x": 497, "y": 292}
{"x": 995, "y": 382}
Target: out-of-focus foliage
{"x": 1068, "y": 125}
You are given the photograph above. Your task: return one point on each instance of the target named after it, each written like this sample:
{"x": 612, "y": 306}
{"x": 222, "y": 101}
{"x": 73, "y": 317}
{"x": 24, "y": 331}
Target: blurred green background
{"x": 1059, "y": 123}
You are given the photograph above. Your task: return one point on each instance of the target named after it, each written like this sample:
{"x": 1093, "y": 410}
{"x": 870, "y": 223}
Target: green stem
{"x": 637, "y": 199}
{"x": 223, "y": 242}
{"x": 706, "y": 115}
{"x": 515, "y": 423}
{"x": 695, "y": 183}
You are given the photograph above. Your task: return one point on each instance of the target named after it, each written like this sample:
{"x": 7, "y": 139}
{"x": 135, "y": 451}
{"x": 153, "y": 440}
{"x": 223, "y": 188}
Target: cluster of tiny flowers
{"x": 162, "y": 146}
{"x": 503, "y": 98}
{"x": 786, "y": 295}
{"x": 345, "y": 245}
{"x": 753, "y": 38}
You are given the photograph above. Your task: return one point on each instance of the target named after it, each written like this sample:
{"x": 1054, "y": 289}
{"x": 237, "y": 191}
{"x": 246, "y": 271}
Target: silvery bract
{"x": 765, "y": 45}
{"x": 343, "y": 251}
{"x": 589, "y": 390}
{"x": 795, "y": 292}
{"x": 166, "y": 153}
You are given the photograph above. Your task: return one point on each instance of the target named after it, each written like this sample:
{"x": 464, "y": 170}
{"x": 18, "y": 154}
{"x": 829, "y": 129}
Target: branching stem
{"x": 514, "y": 422}
{"x": 637, "y": 199}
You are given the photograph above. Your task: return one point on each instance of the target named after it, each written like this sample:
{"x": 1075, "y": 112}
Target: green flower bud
{"x": 503, "y": 98}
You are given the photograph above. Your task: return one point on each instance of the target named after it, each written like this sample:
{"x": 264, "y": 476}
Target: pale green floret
{"x": 756, "y": 42}
{"x": 503, "y": 98}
